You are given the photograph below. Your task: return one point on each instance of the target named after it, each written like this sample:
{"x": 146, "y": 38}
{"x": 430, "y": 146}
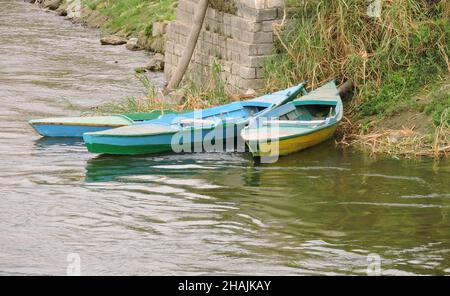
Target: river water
{"x": 322, "y": 211}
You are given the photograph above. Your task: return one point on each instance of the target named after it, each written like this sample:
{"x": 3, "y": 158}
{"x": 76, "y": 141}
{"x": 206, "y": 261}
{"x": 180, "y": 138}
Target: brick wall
{"x": 238, "y": 43}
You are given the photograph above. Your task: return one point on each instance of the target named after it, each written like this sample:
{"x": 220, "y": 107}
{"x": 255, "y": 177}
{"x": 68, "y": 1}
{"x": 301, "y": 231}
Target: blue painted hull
{"x": 77, "y": 126}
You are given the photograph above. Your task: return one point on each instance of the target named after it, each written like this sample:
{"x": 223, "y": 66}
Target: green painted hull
{"x": 148, "y": 115}
{"x": 128, "y": 150}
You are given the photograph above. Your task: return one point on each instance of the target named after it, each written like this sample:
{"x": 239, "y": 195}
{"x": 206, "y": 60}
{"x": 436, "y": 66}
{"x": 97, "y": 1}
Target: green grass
{"x": 390, "y": 59}
{"x": 202, "y": 94}
{"x": 133, "y": 17}
{"x": 439, "y": 105}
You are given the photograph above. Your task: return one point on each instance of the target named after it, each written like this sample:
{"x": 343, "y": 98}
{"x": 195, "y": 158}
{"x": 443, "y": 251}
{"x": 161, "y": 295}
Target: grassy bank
{"x": 398, "y": 62}
{"x": 134, "y": 18}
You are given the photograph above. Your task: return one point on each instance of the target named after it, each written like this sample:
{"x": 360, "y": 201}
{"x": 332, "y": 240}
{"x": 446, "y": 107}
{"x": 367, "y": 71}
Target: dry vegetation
{"x": 405, "y": 142}
{"x": 390, "y": 60}
{"x": 227, "y": 6}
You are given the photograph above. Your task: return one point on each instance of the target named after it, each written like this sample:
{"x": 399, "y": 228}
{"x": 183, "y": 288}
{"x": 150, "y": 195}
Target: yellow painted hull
{"x": 294, "y": 143}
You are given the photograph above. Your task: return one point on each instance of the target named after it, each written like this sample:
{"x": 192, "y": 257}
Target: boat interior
{"x": 233, "y": 112}
{"x": 304, "y": 113}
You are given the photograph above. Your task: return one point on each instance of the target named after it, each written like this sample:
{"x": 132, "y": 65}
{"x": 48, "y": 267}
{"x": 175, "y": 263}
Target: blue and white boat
{"x": 77, "y": 126}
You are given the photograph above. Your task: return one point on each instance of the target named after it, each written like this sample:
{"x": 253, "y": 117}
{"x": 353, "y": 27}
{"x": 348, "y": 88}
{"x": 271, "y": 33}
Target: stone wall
{"x": 237, "y": 42}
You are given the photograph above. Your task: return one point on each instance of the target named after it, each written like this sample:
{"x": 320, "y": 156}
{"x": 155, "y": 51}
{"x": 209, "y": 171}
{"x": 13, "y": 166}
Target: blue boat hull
{"x": 77, "y": 126}
{"x": 52, "y": 130}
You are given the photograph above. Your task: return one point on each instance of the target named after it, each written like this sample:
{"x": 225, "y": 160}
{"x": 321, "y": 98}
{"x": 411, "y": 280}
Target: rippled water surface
{"x": 317, "y": 212}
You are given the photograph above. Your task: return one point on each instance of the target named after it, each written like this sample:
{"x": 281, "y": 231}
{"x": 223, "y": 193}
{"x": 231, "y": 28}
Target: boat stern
{"x": 54, "y": 130}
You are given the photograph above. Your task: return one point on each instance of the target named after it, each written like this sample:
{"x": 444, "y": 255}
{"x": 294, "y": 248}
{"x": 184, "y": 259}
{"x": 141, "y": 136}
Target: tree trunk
{"x": 183, "y": 64}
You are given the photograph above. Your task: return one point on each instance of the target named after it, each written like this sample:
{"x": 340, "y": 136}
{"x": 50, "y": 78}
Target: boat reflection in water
{"x": 44, "y": 143}
{"x": 106, "y": 168}
{"x": 322, "y": 211}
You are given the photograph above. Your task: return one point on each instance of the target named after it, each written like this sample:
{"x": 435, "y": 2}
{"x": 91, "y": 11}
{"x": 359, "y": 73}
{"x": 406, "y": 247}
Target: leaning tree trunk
{"x": 190, "y": 46}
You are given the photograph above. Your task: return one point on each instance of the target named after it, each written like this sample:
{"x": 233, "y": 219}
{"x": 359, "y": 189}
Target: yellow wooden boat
{"x": 298, "y": 125}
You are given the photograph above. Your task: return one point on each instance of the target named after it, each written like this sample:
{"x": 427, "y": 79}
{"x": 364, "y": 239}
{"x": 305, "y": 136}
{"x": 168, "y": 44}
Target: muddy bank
{"x": 409, "y": 133}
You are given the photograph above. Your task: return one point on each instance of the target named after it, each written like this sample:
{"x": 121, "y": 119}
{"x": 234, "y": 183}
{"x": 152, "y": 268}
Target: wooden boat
{"x": 295, "y": 126}
{"x": 189, "y": 132}
{"x": 77, "y": 126}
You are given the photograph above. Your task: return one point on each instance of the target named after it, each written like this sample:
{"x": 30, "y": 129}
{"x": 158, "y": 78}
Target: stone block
{"x": 185, "y": 17}
{"x": 238, "y": 42}
{"x": 260, "y": 73}
{"x": 258, "y": 14}
{"x": 235, "y": 69}
{"x": 248, "y": 73}
{"x": 159, "y": 28}
{"x": 252, "y": 61}
{"x": 262, "y": 4}
{"x": 251, "y": 83}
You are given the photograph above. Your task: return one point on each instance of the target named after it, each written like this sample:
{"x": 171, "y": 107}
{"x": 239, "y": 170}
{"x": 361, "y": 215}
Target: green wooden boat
{"x": 214, "y": 129}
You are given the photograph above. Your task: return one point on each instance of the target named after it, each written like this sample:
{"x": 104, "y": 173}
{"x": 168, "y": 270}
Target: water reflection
{"x": 47, "y": 143}
{"x": 321, "y": 211}
{"x": 316, "y": 212}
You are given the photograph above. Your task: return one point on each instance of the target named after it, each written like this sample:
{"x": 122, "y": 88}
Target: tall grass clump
{"x": 389, "y": 58}
{"x": 204, "y": 93}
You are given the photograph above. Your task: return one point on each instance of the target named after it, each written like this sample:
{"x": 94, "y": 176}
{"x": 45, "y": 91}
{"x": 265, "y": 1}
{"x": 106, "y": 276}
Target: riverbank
{"x": 123, "y": 18}
{"x": 138, "y": 20}
{"x": 129, "y": 23}
{"x": 398, "y": 62}
{"x": 399, "y": 67}
{"x": 418, "y": 129}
